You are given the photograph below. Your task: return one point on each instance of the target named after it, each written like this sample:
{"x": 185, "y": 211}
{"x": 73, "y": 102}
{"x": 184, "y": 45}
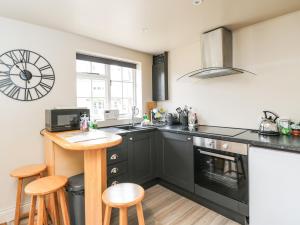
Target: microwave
{"x": 64, "y": 119}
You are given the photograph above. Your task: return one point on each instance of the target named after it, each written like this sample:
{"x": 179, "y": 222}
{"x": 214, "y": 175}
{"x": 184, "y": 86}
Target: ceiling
{"x": 149, "y": 26}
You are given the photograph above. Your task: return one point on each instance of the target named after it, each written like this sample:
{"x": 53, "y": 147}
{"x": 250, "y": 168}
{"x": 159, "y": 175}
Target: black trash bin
{"x": 75, "y": 189}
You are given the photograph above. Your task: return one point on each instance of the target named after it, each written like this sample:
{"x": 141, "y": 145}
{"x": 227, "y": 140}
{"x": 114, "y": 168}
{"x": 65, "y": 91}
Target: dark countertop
{"x": 281, "y": 142}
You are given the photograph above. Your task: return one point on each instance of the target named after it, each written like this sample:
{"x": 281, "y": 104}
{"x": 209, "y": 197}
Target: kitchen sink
{"x": 130, "y": 127}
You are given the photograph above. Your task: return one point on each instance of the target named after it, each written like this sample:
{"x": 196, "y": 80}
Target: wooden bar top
{"x": 83, "y": 141}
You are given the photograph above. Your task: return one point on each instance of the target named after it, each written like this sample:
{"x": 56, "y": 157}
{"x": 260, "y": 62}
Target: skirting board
{"x": 8, "y": 215}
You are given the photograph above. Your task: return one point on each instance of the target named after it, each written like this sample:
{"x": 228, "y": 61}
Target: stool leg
{"x": 140, "y": 214}
{"x": 18, "y": 201}
{"x": 45, "y": 214}
{"x": 32, "y": 210}
{"x": 40, "y": 212}
{"x": 123, "y": 220}
{"x": 63, "y": 205}
{"x": 55, "y": 213}
{"x": 107, "y": 215}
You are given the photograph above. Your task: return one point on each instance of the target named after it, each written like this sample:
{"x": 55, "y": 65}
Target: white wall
{"x": 271, "y": 49}
{"x": 21, "y": 122}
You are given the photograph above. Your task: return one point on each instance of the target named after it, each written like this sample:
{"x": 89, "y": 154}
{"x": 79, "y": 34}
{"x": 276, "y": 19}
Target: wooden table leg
{"x": 94, "y": 183}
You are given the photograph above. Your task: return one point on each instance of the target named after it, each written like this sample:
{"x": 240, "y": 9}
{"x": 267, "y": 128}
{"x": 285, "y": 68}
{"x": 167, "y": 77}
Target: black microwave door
{"x": 67, "y": 119}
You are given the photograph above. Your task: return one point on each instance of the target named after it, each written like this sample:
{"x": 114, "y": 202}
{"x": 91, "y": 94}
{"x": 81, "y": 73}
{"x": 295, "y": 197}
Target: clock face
{"x": 25, "y": 75}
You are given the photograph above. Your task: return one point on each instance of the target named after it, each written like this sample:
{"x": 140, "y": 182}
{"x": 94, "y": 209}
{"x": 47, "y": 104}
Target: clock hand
{"x": 19, "y": 68}
{"x": 24, "y": 67}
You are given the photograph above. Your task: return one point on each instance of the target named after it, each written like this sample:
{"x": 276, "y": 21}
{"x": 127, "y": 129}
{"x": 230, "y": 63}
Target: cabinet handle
{"x": 114, "y": 156}
{"x": 114, "y": 170}
{"x": 114, "y": 183}
{"x": 189, "y": 138}
{"x": 131, "y": 138}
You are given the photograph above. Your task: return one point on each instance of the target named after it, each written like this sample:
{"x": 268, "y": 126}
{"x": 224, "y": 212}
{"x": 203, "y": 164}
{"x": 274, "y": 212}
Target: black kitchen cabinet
{"x": 176, "y": 164}
{"x": 141, "y": 157}
{"x": 160, "y": 77}
{"x": 117, "y": 163}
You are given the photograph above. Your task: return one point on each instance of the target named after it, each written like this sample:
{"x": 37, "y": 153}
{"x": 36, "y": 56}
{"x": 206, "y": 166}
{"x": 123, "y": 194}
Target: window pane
{"x": 116, "y": 89}
{"x": 126, "y": 107}
{"x": 84, "y": 102}
{"x": 97, "y": 108}
{"x": 83, "y": 66}
{"x": 115, "y": 73}
{"x": 127, "y": 74}
{"x": 127, "y": 90}
{"x": 98, "y": 88}
{"x": 84, "y": 88}
{"x": 116, "y": 103}
{"x": 98, "y": 68}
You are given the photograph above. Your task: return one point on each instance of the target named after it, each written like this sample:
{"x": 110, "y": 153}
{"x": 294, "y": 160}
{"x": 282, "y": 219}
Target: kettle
{"x": 268, "y": 125}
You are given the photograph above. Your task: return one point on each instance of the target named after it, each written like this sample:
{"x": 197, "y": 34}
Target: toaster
{"x": 111, "y": 114}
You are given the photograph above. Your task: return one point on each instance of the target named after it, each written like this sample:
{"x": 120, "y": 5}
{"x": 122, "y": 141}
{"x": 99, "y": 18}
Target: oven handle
{"x": 216, "y": 155}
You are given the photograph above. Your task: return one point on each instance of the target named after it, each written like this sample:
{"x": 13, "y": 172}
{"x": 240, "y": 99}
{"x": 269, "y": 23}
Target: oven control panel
{"x": 226, "y": 146}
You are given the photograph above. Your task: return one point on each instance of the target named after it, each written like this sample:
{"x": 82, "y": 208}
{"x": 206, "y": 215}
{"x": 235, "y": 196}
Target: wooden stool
{"x": 20, "y": 174}
{"x": 38, "y": 189}
{"x": 123, "y": 196}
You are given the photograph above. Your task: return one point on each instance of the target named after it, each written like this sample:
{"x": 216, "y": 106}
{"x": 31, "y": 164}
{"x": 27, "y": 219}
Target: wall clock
{"x": 25, "y": 75}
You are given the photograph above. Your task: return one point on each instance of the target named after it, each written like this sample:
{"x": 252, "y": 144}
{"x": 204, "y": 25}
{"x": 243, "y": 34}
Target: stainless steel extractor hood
{"x": 216, "y": 55}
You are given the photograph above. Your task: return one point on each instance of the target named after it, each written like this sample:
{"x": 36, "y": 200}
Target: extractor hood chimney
{"x": 216, "y": 55}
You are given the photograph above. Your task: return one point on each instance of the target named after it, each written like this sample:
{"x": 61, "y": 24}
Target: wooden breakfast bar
{"x": 72, "y": 152}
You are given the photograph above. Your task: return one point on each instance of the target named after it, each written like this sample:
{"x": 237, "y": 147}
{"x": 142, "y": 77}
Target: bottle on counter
{"x": 146, "y": 121}
{"x": 84, "y": 123}
{"x": 193, "y": 120}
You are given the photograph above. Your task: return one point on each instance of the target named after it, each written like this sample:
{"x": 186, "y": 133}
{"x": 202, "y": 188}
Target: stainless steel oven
{"x": 221, "y": 173}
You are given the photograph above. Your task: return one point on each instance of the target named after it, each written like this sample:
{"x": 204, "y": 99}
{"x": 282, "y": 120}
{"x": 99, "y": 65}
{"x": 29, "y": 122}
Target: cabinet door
{"x": 177, "y": 164}
{"x": 141, "y": 157}
{"x": 274, "y": 186}
{"x": 160, "y": 77}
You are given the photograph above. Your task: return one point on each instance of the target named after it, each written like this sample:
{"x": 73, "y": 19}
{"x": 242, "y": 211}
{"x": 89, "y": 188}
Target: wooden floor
{"x": 164, "y": 207}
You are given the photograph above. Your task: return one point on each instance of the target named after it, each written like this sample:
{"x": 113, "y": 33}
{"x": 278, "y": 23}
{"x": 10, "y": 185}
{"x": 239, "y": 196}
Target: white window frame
{"x": 107, "y": 78}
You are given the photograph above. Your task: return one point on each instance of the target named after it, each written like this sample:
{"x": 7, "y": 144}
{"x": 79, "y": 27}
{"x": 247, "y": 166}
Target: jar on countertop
{"x": 284, "y": 126}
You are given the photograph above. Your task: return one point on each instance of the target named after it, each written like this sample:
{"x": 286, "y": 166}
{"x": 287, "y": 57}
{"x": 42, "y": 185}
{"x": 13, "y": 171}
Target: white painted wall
{"x": 271, "y": 49}
{"x": 21, "y": 122}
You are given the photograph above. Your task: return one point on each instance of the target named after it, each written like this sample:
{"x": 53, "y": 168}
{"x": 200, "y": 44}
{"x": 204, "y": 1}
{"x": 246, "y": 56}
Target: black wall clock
{"x": 25, "y": 75}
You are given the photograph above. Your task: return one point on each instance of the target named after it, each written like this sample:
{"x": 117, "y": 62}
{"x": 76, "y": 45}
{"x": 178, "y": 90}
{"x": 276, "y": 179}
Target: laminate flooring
{"x": 164, "y": 207}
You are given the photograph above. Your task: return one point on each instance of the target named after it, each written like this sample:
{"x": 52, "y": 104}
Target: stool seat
{"x": 28, "y": 171}
{"x": 46, "y": 185}
{"x": 51, "y": 188}
{"x": 123, "y": 195}
{"x": 22, "y": 173}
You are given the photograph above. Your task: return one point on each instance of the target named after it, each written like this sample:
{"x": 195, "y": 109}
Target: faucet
{"x": 135, "y": 111}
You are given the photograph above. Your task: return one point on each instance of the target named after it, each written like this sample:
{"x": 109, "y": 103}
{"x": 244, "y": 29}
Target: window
{"x": 105, "y": 84}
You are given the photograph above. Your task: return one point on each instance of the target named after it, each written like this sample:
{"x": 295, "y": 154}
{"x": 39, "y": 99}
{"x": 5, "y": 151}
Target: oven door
{"x": 222, "y": 172}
